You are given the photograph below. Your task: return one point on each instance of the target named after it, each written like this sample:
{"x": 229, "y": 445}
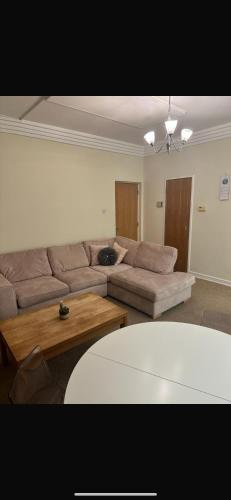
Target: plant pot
{"x": 64, "y": 316}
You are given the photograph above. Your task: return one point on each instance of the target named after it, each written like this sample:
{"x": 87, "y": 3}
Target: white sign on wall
{"x": 224, "y": 187}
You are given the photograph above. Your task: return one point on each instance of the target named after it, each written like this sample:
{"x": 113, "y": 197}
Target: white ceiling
{"x": 125, "y": 118}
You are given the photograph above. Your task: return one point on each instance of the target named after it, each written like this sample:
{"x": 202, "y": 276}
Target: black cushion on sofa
{"x": 107, "y": 256}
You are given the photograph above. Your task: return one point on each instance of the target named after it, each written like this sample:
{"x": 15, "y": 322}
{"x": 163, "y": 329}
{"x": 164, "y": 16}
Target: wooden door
{"x": 127, "y": 216}
{"x": 177, "y": 218}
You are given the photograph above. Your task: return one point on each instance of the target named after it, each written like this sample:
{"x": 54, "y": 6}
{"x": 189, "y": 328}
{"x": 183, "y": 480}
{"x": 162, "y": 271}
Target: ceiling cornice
{"x": 57, "y": 134}
{"x": 51, "y": 133}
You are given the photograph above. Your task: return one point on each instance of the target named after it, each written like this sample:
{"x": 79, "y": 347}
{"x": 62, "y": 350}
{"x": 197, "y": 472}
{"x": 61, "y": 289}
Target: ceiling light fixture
{"x": 170, "y": 126}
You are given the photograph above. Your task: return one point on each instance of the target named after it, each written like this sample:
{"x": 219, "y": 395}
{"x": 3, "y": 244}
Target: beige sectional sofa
{"x": 145, "y": 279}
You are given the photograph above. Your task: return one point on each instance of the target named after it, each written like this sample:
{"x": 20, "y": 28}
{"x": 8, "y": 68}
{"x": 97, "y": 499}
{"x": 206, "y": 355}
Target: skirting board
{"x": 205, "y": 277}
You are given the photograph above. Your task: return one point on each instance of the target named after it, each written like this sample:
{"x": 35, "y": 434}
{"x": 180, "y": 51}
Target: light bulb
{"x": 171, "y": 126}
{"x": 150, "y": 138}
{"x": 186, "y": 133}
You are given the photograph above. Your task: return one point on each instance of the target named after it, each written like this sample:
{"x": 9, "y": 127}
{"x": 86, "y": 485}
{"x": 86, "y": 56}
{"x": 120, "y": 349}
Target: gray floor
{"x": 205, "y": 296}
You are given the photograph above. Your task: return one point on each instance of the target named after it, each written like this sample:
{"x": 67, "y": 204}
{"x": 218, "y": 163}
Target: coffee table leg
{"x": 3, "y": 352}
{"x": 124, "y": 322}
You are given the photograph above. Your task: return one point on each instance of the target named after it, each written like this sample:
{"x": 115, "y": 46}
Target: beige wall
{"x": 53, "y": 193}
{"x": 211, "y": 231}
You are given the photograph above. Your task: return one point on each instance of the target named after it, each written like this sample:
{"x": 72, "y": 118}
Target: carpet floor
{"x": 206, "y": 296}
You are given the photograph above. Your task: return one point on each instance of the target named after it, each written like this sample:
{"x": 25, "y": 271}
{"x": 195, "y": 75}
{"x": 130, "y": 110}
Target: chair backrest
{"x": 33, "y": 375}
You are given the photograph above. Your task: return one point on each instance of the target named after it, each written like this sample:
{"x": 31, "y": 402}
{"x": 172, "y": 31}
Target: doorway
{"x": 178, "y": 218}
{"x": 127, "y": 196}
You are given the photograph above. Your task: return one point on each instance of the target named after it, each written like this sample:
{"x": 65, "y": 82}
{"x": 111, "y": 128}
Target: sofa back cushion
{"x": 103, "y": 242}
{"x": 94, "y": 250}
{"x": 157, "y": 258}
{"x": 67, "y": 257}
{"x": 132, "y": 247}
{"x": 121, "y": 252}
{"x": 25, "y": 265}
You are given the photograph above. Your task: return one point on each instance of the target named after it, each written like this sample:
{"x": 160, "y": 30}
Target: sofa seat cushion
{"x": 79, "y": 279}
{"x": 157, "y": 258}
{"x": 152, "y": 286}
{"x": 25, "y": 265}
{"x": 37, "y": 290}
{"x": 67, "y": 257}
{"x": 109, "y": 270}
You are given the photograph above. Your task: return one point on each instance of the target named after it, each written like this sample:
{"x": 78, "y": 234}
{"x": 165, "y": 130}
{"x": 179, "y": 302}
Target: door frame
{"x": 139, "y": 184}
{"x": 191, "y": 212}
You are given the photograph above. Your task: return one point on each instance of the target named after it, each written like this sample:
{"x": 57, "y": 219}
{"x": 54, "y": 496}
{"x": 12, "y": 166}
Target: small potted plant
{"x": 63, "y": 311}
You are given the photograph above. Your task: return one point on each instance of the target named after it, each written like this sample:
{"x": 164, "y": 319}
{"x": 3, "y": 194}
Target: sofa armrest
{"x": 8, "y": 302}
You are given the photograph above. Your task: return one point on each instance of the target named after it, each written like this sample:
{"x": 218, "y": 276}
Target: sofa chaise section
{"x": 151, "y": 285}
{"x": 150, "y": 292}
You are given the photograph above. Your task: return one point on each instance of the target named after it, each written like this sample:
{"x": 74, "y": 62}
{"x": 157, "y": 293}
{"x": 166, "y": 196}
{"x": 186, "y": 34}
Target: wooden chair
{"x": 34, "y": 384}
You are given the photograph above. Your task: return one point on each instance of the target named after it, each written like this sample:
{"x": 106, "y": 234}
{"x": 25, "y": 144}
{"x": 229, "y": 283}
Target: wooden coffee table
{"x": 89, "y": 314}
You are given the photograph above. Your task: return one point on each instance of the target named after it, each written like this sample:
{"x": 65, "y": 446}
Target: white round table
{"x": 156, "y": 362}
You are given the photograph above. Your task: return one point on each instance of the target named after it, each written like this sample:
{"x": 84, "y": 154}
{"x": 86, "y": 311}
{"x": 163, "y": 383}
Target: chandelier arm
{"x": 177, "y": 149}
{"x": 160, "y": 148}
{"x": 162, "y": 145}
